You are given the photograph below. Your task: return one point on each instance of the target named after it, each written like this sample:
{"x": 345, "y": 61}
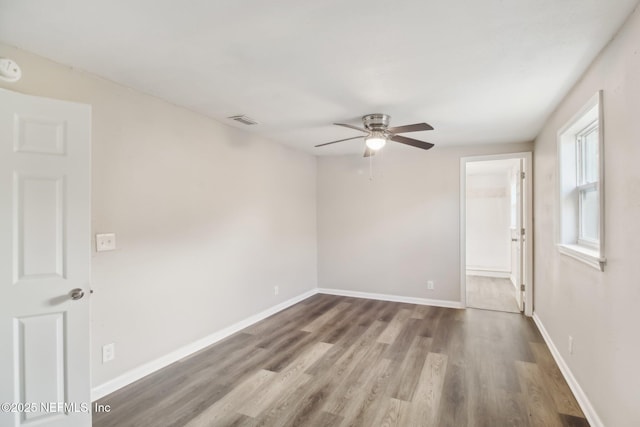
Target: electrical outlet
{"x": 108, "y": 352}
{"x": 570, "y": 344}
{"x": 430, "y": 285}
{"x": 276, "y": 290}
{"x": 105, "y": 242}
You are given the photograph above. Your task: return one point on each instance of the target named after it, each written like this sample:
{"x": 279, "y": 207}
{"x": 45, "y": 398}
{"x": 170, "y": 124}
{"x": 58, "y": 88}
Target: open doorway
{"x": 495, "y": 217}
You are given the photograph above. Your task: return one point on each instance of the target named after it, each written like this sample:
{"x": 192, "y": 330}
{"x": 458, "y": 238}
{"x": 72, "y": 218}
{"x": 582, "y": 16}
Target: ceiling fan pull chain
{"x": 370, "y": 168}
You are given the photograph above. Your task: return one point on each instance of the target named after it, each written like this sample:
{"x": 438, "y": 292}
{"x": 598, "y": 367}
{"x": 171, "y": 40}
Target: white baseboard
{"x": 500, "y": 274}
{"x": 394, "y": 298}
{"x": 581, "y": 397}
{"x": 154, "y": 365}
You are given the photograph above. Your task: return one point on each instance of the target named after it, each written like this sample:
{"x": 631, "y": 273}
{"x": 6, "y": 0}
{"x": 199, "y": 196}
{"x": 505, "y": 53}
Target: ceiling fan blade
{"x": 413, "y": 142}
{"x": 368, "y": 152}
{"x": 411, "y": 128}
{"x": 351, "y": 127}
{"x": 340, "y": 140}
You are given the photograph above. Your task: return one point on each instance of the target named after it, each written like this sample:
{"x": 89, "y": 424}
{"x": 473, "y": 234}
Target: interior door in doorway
{"x": 45, "y": 255}
{"x": 517, "y": 232}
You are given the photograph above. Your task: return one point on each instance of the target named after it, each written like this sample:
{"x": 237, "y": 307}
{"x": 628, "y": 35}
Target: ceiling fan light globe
{"x": 375, "y": 142}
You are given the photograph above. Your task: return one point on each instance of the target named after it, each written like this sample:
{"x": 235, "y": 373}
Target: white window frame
{"x": 583, "y": 185}
{"x": 571, "y": 185}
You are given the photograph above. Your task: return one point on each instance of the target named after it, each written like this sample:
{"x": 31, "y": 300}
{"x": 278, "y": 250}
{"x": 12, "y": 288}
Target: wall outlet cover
{"x": 105, "y": 242}
{"x": 108, "y": 352}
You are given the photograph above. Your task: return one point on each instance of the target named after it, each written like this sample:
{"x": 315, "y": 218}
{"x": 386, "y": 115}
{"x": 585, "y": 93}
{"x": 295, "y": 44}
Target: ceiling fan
{"x": 378, "y": 132}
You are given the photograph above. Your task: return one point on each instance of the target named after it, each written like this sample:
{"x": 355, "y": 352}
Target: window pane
{"x": 589, "y": 215}
{"x": 590, "y": 156}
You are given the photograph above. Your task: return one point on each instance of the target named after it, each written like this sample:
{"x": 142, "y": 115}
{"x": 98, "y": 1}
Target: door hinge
{"x": 522, "y": 287}
{"x": 522, "y": 231}
{"x": 522, "y": 175}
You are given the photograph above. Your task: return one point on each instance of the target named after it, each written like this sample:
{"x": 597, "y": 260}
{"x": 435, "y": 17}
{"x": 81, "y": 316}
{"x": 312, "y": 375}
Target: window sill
{"x": 588, "y": 256}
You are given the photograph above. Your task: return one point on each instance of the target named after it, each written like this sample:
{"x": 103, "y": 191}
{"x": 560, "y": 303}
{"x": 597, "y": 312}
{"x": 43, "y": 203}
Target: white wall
{"x": 488, "y": 230}
{"x": 600, "y": 310}
{"x": 391, "y": 234}
{"x": 208, "y": 218}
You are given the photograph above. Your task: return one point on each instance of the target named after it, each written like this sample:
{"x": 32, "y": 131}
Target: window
{"x": 588, "y": 200}
{"x": 580, "y": 144}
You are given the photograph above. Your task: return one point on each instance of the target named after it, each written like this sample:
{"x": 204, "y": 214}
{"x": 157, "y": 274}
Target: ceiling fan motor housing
{"x": 374, "y": 122}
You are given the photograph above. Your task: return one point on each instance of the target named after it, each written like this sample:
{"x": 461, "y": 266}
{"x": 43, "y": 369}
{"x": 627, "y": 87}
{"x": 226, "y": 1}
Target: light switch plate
{"x": 105, "y": 242}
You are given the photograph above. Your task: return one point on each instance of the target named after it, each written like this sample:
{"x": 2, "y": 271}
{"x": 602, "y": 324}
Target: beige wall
{"x": 600, "y": 310}
{"x": 392, "y": 234}
{"x": 488, "y": 207}
{"x": 208, "y": 218}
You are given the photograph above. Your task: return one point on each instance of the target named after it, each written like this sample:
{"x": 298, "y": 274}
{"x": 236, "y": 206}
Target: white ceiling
{"x": 484, "y": 71}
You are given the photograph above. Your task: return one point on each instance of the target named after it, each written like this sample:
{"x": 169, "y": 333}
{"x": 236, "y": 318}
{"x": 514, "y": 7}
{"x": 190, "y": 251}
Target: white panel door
{"x": 45, "y": 253}
{"x": 517, "y": 238}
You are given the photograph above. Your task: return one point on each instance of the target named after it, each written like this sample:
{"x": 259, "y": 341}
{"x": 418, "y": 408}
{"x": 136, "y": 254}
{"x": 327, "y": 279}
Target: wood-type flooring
{"x": 491, "y": 293}
{"x": 339, "y": 361}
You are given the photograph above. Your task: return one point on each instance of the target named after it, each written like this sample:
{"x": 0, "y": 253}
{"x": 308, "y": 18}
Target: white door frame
{"x": 527, "y": 223}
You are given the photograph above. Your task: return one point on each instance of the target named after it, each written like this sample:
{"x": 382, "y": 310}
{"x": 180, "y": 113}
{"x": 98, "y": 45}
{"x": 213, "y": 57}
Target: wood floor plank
{"x": 513, "y": 411}
{"x": 278, "y": 399}
{"x": 395, "y": 326}
{"x": 491, "y": 293}
{"x": 485, "y": 377}
{"x": 350, "y": 385}
{"x": 386, "y": 311}
{"x": 325, "y": 419}
{"x": 404, "y": 339}
{"x": 571, "y": 421}
{"x": 423, "y": 410}
{"x": 307, "y": 410}
{"x": 389, "y": 411}
{"x": 335, "y": 353}
{"x": 362, "y": 409}
{"x": 454, "y": 404}
{"x": 285, "y": 381}
{"x": 420, "y": 311}
{"x": 276, "y": 321}
{"x": 321, "y": 320}
{"x": 241, "y": 421}
{"x": 284, "y": 354}
{"x": 333, "y": 360}
{"x": 447, "y": 327}
{"x": 404, "y": 384}
{"x": 344, "y": 327}
{"x": 539, "y": 404}
{"x": 221, "y": 412}
{"x": 429, "y": 324}
{"x": 562, "y": 396}
{"x": 276, "y": 413}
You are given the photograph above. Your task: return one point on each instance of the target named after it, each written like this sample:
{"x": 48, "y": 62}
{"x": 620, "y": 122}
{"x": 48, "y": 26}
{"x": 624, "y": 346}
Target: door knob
{"x": 76, "y": 294}
{"x": 514, "y": 239}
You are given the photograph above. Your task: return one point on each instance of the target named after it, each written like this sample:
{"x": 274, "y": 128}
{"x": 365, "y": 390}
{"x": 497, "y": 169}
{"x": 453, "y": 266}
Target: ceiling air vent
{"x": 244, "y": 120}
